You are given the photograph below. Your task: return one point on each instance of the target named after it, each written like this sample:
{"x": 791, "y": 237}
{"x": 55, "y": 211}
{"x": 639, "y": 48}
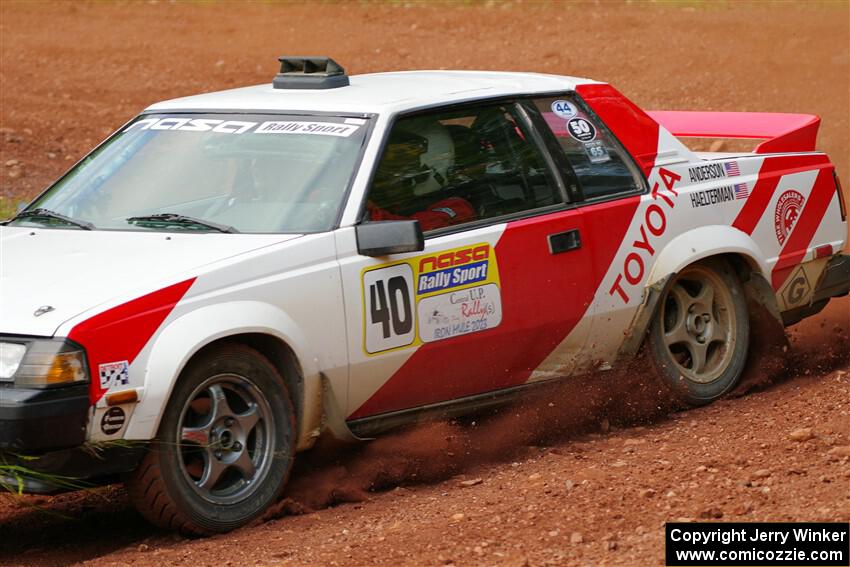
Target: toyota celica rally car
{"x": 231, "y": 275}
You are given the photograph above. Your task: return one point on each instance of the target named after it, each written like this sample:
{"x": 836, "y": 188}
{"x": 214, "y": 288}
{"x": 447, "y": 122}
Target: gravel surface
{"x": 587, "y": 474}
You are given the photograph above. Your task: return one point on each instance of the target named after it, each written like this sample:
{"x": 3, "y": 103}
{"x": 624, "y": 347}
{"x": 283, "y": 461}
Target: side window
{"x": 602, "y": 166}
{"x": 457, "y": 166}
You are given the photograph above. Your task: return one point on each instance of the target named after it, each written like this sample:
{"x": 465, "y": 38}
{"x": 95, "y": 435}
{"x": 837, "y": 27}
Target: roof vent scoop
{"x": 309, "y": 73}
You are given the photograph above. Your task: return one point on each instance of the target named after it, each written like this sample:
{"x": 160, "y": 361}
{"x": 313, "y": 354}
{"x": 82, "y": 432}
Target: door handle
{"x": 564, "y": 241}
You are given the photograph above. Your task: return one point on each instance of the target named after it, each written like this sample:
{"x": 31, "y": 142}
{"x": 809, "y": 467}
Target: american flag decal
{"x": 732, "y": 168}
{"x": 741, "y": 191}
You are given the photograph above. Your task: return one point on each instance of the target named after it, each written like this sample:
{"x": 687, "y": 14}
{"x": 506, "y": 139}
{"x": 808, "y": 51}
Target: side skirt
{"x": 372, "y": 425}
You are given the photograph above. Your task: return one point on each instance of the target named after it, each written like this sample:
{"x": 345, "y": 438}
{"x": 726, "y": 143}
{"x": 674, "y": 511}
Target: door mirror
{"x": 389, "y": 237}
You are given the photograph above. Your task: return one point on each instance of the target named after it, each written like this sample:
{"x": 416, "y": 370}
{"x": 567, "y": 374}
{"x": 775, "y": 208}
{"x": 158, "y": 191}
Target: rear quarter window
{"x": 600, "y": 163}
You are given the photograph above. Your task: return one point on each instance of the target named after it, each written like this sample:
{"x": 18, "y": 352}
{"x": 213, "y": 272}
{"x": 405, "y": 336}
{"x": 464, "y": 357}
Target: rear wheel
{"x": 224, "y": 448}
{"x": 700, "y": 336}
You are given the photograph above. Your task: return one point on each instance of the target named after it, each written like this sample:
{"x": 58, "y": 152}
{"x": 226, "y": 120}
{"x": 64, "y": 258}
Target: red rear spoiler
{"x": 783, "y": 132}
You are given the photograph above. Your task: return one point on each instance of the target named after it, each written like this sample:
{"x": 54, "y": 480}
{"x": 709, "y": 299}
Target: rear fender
{"x": 688, "y": 248}
{"x": 703, "y": 242}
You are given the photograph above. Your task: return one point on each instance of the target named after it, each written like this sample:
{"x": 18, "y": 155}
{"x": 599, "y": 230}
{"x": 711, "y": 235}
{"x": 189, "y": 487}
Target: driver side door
{"x": 494, "y": 300}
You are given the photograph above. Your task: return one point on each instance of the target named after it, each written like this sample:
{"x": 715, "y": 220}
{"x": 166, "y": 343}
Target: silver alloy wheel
{"x": 699, "y": 324}
{"x": 225, "y": 439}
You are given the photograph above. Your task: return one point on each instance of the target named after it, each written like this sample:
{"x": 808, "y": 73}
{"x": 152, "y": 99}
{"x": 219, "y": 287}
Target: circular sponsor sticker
{"x": 581, "y": 130}
{"x": 564, "y": 109}
{"x": 112, "y": 421}
{"x": 788, "y": 208}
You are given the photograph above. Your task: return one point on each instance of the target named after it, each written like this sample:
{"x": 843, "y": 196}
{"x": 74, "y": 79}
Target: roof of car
{"x": 379, "y": 92}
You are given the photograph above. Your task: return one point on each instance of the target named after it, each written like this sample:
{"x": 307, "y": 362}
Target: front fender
{"x": 186, "y": 335}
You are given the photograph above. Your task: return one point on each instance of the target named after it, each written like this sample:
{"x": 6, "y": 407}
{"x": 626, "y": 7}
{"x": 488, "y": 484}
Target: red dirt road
{"x": 589, "y": 479}
{"x": 527, "y": 486}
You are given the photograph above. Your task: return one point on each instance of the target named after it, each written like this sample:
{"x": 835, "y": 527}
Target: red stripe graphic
{"x": 629, "y": 123}
{"x": 120, "y": 333}
{"x": 772, "y": 170}
{"x": 803, "y": 232}
{"x": 531, "y": 328}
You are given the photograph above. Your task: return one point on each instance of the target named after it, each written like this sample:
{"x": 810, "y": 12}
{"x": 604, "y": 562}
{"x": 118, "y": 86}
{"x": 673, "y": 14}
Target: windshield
{"x": 246, "y": 172}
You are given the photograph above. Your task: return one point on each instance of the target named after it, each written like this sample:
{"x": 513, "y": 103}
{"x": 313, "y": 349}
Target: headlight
{"x": 11, "y": 355}
{"x": 42, "y": 363}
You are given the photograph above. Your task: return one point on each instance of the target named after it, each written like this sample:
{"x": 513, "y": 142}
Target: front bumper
{"x": 34, "y": 420}
{"x": 43, "y": 442}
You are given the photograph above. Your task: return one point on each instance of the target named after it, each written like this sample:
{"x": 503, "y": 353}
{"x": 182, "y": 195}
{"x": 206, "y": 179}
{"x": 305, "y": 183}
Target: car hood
{"x": 72, "y": 271}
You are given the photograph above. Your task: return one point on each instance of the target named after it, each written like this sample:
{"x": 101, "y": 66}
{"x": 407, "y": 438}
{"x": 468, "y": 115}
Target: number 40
{"x": 397, "y": 311}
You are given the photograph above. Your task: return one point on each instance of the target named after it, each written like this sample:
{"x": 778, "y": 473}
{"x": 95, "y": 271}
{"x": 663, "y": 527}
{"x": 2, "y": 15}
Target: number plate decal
{"x": 430, "y": 297}
{"x": 388, "y": 294}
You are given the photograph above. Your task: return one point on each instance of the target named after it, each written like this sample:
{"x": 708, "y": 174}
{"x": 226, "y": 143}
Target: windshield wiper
{"x": 172, "y": 218}
{"x": 48, "y": 214}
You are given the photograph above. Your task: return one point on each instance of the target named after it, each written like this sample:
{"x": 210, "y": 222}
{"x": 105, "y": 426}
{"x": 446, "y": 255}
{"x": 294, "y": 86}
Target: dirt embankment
{"x": 587, "y": 474}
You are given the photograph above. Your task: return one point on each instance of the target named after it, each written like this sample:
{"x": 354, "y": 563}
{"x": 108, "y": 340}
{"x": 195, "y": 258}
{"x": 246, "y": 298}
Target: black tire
{"x": 225, "y": 445}
{"x": 700, "y": 336}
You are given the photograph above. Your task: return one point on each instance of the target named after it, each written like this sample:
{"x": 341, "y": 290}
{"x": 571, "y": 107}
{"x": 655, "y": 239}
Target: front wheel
{"x": 700, "y": 335}
{"x": 224, "y": 448}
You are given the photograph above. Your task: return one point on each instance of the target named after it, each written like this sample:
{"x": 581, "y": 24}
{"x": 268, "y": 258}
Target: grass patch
{"x": 8, "y": 207}
{"x": 16, "y": 469}
{"x": 14, "y": 474}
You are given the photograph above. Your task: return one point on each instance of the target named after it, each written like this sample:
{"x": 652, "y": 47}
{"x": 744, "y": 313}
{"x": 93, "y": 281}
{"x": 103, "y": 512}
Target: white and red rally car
{"x": 232, "y": 274}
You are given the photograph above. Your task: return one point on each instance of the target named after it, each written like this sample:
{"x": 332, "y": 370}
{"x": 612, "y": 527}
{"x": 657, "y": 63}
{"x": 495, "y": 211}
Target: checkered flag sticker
{"x": 114, "y": 374}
